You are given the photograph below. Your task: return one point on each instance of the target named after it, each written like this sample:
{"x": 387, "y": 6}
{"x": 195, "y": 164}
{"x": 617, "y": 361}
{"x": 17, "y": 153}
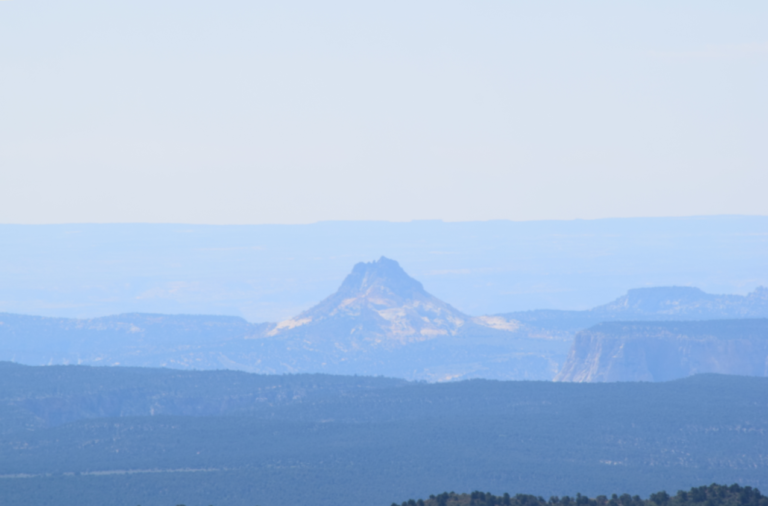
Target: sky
{"x": 243, "y": 112}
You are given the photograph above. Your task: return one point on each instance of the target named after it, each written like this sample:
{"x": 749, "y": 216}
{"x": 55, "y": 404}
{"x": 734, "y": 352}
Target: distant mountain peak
{"x": 377, "y": 303}
{"x": 382, "y": 275}
{"x": 760, "y": 293}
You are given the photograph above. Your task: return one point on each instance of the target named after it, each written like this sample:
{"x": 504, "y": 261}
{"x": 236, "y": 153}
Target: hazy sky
{"x": 294, "y": 112}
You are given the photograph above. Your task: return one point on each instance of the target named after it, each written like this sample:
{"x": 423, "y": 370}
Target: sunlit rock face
{"x": 663, "y": 351}
{"x": 378, "y": 304}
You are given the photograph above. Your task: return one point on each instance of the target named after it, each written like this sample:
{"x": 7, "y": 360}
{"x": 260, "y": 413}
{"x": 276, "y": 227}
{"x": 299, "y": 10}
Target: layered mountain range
{"x": 379, "y": 322}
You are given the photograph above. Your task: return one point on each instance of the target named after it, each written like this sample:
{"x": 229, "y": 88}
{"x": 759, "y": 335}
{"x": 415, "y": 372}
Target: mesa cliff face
{"x": 662, "y": 351}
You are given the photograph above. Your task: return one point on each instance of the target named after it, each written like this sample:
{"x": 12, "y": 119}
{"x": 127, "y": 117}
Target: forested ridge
{"x": 712, "y": 495}
{"x": 88, "y": 436}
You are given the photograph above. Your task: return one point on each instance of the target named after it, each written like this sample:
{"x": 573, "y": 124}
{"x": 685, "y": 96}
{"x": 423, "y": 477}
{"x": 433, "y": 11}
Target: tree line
{"x": 712, "y": 495}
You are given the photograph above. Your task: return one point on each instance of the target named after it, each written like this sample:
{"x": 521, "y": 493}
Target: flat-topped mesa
{"x": 377, "y": 303}
{"x": 661, "y": 299}
{"x": 683, "y": 302}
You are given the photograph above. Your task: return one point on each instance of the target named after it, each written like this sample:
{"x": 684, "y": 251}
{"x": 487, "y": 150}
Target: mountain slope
{"x": 377, "y": 305}
{"x": 382, "y": 321}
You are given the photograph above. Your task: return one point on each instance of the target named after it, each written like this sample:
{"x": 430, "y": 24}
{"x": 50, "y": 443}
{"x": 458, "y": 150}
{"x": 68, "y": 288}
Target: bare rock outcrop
{"x": 662, "y": 351}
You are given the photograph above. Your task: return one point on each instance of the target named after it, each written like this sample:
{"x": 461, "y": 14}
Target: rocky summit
{"x": 377, "y": 305}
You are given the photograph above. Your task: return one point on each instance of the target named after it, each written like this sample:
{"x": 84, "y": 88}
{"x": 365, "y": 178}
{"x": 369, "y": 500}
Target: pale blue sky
{"x": 297, "y": 112}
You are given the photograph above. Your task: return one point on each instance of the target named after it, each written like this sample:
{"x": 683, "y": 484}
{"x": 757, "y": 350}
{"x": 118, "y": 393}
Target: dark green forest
{"x": 89, "y": 436}
{"x": 712, "y": 495}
